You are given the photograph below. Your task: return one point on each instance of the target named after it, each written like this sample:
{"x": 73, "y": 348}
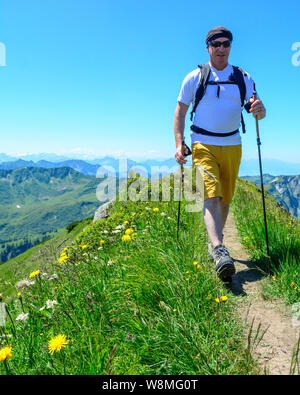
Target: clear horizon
{"x": 121, "y": 156}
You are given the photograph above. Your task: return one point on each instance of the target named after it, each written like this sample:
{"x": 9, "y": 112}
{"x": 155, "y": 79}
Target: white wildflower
{"x": 22, "y": 317}
{"x": 53, "y": 277}
{"x": 50, "y": 303}
{"x": 24, "y": 283}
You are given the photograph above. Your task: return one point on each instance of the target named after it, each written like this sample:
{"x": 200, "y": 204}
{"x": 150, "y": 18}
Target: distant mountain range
{"x": 285, "y": 189}
{"x": 248, "y": 167}
{"x": 120, "y": 166}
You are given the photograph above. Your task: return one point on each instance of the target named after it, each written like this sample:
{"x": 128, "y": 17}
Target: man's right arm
{"x": 179, "y": 124}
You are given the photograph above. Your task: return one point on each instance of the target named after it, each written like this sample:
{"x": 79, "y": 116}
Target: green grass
{"x": 138, "y": 307}
{"x": 40, "y": 256}
{"x": 284, "y": 241}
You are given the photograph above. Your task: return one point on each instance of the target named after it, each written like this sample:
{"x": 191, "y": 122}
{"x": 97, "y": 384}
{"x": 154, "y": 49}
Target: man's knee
{"x": 213, "y": 201}
{"x": 212, "y": 204}
{"x": 224, "y": 205}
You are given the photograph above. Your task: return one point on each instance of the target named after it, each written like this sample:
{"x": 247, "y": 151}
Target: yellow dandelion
{"x": 195, "y": 263}
{"x": 126, "y": 238}
{"x": 34, "y": 274}
{"x": 292, "y": 284}
{"x": 128, "y": 231}
{"x": 274, "y": 277}
{"x": 57, "y": 343}
{"x": 19, "y": 294}
{"x": 5, "y": 353}
{"x": 156, "y": 209}
{"x": 199, "y": 267}
{"x": 1, "y": 297}
{"x": 223, "y": 299}
{"x": 63, "y": 257}
{"x": 125, "y": 222}
{"x": 174, "y": 309}
{"x": 82, "y": 246}
{"x": 102, "y": 242}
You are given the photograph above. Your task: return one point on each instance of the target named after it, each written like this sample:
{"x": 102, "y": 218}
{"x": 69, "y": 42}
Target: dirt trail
{"x": 282, "y": 330}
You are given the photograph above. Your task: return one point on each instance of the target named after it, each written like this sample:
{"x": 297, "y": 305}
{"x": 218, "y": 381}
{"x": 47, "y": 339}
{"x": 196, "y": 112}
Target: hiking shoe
{"x": 210, "y": 248}
{"x": 224, "y": 263}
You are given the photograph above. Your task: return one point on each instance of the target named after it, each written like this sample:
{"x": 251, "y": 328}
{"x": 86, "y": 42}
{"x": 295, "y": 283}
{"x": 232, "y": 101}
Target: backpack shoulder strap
{"x": 238, "y": 75}
{"x": 204, "y": 77}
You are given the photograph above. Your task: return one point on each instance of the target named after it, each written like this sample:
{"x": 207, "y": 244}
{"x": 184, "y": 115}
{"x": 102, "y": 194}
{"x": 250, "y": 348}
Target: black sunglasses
{"x": 217, "y": 44}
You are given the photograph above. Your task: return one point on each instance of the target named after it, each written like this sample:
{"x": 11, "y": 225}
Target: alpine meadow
{"x": 123, "y": 296}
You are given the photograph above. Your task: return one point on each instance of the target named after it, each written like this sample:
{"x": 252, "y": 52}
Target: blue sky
{"x": 101, "y": 77}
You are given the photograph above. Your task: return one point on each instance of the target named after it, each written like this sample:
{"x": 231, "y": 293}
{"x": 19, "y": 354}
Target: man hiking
{"x": 217, "y": 91}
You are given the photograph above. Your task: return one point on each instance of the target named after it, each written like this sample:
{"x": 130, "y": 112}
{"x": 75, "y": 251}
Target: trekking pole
{"x": 261, "y": 177}
{"x": 180, "y": 186}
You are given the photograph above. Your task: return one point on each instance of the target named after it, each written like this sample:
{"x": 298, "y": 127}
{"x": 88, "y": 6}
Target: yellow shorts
{"x": 220, "y": 167}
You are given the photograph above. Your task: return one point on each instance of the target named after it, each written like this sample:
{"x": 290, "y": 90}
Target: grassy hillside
{"x": 139, "y": 304}
{"x": 35, "y": 202}
{"x": 127, "y": 298}
{"x": 285, "y": 189}
{"x": 43, "y": 255}
{"x": 283, "y": 235}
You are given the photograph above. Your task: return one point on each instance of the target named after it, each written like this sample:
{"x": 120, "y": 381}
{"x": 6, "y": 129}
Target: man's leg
{"x": 215, "y": 213}
{"x": 224, "y": 209}
{"x": 213, "y": 219}
{"x": 220, "y": 166}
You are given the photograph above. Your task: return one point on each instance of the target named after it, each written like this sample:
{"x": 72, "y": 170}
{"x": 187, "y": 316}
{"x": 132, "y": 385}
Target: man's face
{"x": 219, "y": 55}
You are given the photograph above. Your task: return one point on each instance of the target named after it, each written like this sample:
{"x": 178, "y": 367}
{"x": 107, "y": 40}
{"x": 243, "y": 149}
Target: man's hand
{"x": 179, "y": 121}
{"x": 257, "y": 108}
{"x": 180, "y": 158}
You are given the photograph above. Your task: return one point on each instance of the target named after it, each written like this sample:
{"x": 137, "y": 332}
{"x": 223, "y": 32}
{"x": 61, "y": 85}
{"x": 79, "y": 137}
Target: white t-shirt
{"x": 218, "y": 115}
